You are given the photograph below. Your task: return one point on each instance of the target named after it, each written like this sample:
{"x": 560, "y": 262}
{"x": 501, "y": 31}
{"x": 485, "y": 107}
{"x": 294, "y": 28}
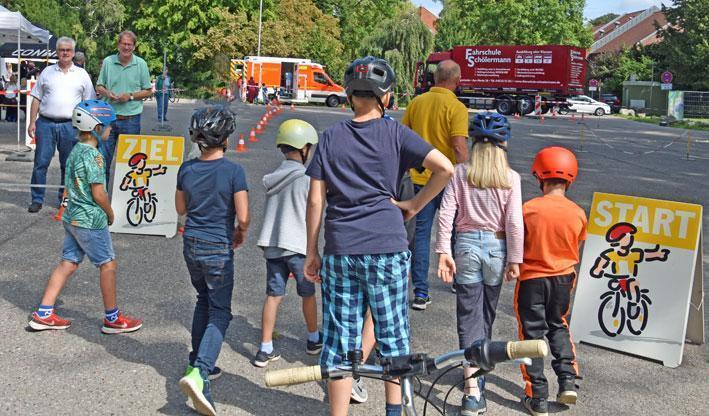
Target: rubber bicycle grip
{"x": 289, "y": 376}
{"x": 535, "y": 348}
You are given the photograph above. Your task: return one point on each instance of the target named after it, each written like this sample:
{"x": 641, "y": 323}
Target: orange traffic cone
{"x": 241, "y": 146}
{"x": 553, "y": 113}
{"x": 252, "y": 136}
{"x": 60, "y": 212}
{"x": 292, "y": 107}
{"x": 259, "y": 128}
{"x": 541, "y": 120}
{"x": 343, "y": 108}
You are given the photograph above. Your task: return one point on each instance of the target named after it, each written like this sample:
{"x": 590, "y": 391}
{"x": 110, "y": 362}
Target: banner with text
{"x": 640, "y": 263}
{"x": 144, "y": 184}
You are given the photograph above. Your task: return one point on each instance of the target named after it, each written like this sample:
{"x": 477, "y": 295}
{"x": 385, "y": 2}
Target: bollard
{"x": 689, "y": 144}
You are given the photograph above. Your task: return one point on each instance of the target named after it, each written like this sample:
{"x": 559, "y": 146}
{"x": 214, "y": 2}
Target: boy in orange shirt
{"x": 554, "y": 229}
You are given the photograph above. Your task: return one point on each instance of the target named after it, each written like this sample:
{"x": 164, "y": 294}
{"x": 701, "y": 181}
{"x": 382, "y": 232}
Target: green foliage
{"x": 602, "y": 20}
{"x": 402, "y": 40}
{"x": 611, "y": 69}
{"x": 685, "y": 47}
{"x": 514, "y": 22}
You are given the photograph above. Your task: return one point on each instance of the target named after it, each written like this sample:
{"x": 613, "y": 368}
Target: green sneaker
{"x": 197, "y": 389}
{"x": 213, "y": 375}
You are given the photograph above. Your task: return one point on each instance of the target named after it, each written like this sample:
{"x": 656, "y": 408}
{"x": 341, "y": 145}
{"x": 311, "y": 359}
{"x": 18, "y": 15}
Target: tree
{"x": 684, "y": 49}
{"x": 402, "y": 40}
{"x": 358, "y": 19}
{"x": 602, "y": 20}
{"x": 516, "y": 22}
{"x": 612, "y": 68}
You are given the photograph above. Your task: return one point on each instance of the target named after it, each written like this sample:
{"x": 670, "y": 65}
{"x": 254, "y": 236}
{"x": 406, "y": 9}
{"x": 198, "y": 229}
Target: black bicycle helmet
{"x": 490, "y": 127}
{"x": 369, "y": 76}
{"x": 211, "y": 126}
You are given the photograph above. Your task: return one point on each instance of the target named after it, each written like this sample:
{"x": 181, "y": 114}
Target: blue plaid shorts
{"x": 349, "y": 285}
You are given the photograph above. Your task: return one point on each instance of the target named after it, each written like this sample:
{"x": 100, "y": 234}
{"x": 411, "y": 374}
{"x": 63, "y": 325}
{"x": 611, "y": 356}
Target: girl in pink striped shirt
{"x": 484, "y": 200}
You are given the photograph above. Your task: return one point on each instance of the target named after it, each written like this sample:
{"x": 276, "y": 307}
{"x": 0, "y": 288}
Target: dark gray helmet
{"x": 369, "y": 75}
{"x": 211, "y": 126}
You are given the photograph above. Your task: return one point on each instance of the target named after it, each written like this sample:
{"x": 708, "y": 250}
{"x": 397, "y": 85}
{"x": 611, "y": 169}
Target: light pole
{"x": 260, "y": 13}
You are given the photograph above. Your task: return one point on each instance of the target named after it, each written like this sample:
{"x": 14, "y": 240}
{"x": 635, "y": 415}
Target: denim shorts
{"x": 277, "y": 271}
{"x": 94, "y": 243}
{"x": 479, "y": 257}
{"x": 352, "y": 283}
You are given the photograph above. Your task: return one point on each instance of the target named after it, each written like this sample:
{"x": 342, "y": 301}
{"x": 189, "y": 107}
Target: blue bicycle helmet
{"x": 90, "y": 113}
{"x": 490, "y": 127}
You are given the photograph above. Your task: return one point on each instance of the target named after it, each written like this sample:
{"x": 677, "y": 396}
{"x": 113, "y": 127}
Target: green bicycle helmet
{"x": 296, "y": 134}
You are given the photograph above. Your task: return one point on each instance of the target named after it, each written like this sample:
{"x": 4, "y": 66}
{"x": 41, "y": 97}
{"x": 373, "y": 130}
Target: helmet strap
{"x": 381, "y": 105}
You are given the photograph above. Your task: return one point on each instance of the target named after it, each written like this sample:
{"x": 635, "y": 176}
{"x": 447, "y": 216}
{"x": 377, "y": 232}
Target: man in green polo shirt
{"x": 124, "y": 82}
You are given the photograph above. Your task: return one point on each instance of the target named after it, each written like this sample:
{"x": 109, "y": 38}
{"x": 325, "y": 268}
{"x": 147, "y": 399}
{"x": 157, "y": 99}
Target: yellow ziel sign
{"x": 667, "y": 223}
{"x": 164, "y": 150}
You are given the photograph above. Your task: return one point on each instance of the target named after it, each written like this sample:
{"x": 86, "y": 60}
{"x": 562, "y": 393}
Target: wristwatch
{"x": 131, "y": 97}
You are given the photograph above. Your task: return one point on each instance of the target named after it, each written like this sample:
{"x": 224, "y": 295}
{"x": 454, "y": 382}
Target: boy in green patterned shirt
{"x": 86, "y": 220}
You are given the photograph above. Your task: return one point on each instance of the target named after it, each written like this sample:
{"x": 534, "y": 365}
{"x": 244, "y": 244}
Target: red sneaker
{"x": 122, "y": 324}
{"x": 51, "y": 322}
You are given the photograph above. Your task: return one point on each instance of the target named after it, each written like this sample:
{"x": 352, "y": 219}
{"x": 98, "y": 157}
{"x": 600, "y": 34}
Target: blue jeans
{"x": 163, "y": 100}
{"x": 422, "y": 244}
{"x": 108, "y": 148}
{"x": 95, "y": 243}
{"x": 48, "y": 137}
{"x": 211, "y": 267}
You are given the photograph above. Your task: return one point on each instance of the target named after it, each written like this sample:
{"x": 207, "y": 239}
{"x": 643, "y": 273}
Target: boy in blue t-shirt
{"x": 212, "y": 192}
{"x": 358, "y": 166}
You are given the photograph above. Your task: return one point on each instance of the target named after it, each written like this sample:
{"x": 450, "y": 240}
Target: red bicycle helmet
{"x": 136, "y": 158}
{"x": 619, "y": 230}
{"x": 555, "y": 162}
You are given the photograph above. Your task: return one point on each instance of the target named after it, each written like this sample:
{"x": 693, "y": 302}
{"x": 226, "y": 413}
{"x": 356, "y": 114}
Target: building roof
{"x": 428, "y": 18}
{"x": 628, "y": 30}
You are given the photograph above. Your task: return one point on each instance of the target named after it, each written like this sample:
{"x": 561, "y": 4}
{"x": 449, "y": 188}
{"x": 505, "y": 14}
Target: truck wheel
{"x": 599, "y": 112}
{"x": 525, "y": 105}
{"x": 504, "y": 107}
{"x": 563, "y": 110}
{"x": 332, "y": 101}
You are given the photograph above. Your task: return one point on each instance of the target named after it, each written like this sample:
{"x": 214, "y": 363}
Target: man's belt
{"x": 56, "y": 120}
{"x": 121, "y": 117}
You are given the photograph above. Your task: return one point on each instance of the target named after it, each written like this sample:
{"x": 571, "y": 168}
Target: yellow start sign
{"x": 667, "y": 223}
{"x": 640, "y": 271}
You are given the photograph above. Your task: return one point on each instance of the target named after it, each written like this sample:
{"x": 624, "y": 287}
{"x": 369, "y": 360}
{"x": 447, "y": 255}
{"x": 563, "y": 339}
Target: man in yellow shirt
{"x": 442, "y": 121}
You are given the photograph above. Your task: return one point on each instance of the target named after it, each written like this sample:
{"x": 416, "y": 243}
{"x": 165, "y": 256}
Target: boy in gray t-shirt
{"x": 282, "y": 236}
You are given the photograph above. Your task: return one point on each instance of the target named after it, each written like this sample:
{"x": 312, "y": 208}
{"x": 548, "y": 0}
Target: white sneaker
{"x": 359, "y": 393}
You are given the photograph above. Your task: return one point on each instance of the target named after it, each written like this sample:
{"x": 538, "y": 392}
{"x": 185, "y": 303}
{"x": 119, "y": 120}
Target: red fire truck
{"x": 507, "y": 78}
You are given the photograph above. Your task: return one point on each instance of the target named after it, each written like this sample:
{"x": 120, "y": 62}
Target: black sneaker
{"x": 262, "y": 358}
{"x": 34, "y": 207}
{"x": 313, "y": 348}
{"x": 536, "y": 406}
{"x": 421, "y": 302}
{"x": 567, "y": 391}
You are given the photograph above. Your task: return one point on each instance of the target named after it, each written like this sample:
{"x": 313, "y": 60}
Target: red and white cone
{"x": 241, "y": 145}
{"x": 252, "y": 136}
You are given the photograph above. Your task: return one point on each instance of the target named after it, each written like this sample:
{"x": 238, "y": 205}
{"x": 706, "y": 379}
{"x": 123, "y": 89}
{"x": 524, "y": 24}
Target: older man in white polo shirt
{"x": 60, "y": 87}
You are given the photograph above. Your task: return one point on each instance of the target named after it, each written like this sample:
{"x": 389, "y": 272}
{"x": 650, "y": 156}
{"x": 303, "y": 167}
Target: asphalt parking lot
{"x": 80, "y": 371}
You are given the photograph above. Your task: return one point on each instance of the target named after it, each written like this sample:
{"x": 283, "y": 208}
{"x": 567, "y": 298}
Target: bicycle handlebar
{"x": 484, "y": 354}
{"x": 290, "y": 376}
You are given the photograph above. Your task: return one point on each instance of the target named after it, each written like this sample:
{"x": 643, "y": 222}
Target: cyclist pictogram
{"x": 142, "y": 205}
{"x": 625, "y": 304}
